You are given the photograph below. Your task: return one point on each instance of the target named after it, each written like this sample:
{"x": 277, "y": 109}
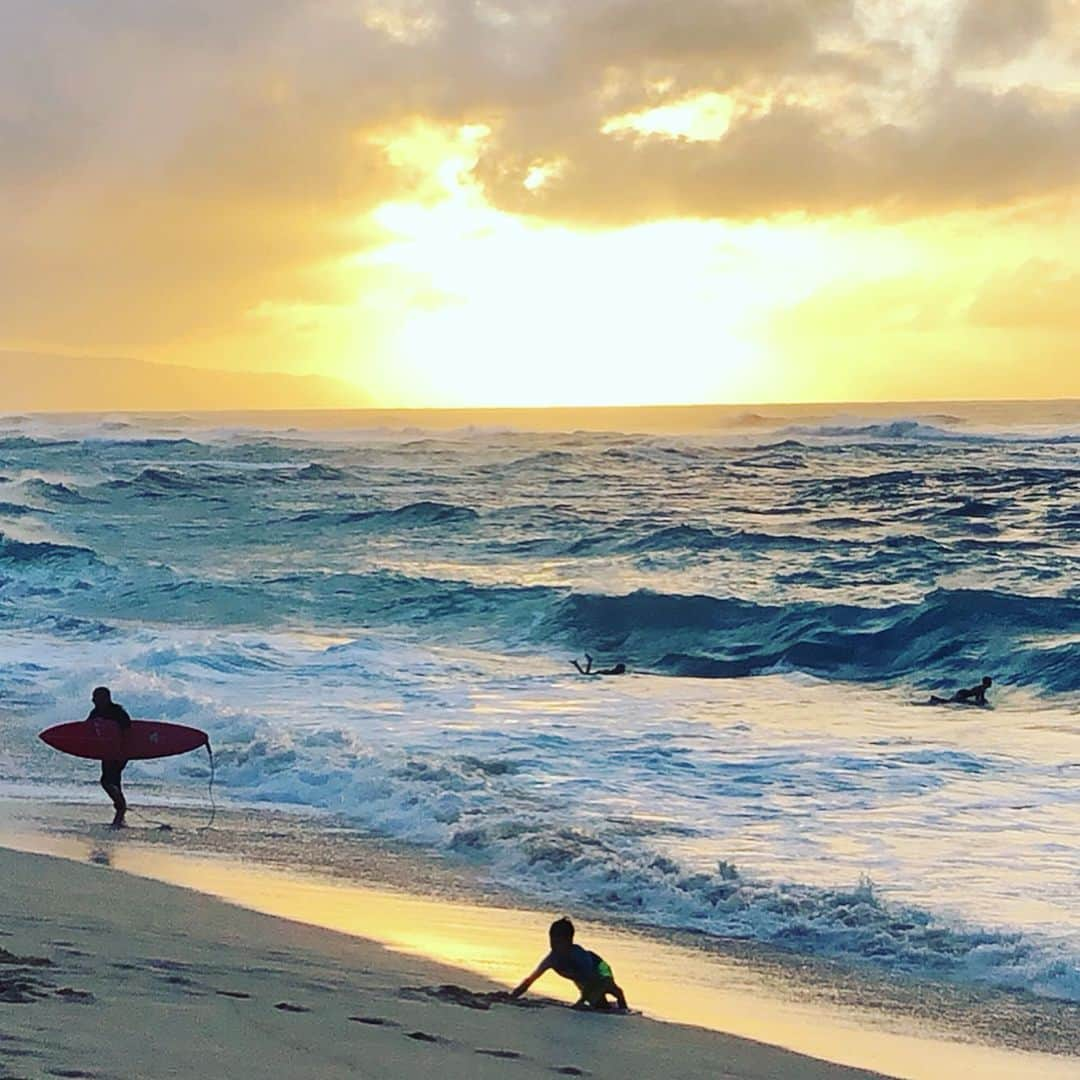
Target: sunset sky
{"x": 537, "y": 202}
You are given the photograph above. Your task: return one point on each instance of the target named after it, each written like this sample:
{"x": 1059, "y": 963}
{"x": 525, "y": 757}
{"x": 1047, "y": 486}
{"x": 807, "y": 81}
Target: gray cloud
{"x": 995, "y": 31}
{"x": 833, "y": 138}
{"x": 972, "y": 149}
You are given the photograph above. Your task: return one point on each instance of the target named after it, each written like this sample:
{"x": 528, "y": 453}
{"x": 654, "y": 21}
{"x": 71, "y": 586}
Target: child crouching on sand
{"x": 588, "y": 971}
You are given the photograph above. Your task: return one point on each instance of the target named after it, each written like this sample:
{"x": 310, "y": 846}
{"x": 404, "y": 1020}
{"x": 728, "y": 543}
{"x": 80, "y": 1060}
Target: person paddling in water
{"x": 107, "y": 709}
{"x": 592, "y": 976}
{"x": 972, "y": 695}
{"x": 618, "y": 669}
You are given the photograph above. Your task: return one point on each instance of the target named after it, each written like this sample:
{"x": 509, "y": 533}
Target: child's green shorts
{"x": 600, "y": 984}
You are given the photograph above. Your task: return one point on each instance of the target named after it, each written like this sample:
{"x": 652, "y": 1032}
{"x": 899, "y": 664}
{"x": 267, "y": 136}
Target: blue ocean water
{"x": 378, "y": 620}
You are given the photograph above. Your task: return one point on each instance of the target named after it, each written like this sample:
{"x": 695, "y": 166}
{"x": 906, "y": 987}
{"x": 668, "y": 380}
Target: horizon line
{"x": 556, "y": 408}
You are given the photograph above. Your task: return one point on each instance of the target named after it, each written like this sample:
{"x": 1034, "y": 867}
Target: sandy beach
{"x": 108, "y": 975}
{"x": 157, "y": 954}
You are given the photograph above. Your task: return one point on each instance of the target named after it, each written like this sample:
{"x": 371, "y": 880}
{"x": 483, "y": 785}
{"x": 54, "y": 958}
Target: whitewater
{"x": 375, "y": 620}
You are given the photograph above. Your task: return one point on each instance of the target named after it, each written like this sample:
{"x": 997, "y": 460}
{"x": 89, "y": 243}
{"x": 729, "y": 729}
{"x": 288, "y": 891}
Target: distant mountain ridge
{"x": 41, "y": 382}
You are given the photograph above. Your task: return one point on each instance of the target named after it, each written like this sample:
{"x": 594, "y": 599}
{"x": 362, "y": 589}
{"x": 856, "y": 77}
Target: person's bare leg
{"x": 115, "y": 792}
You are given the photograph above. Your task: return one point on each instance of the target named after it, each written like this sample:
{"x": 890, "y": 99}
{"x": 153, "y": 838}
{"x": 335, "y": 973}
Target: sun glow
{"x": 523, "y": 315}
{"x": 492, "y": 309}
{"x": 699, "y": 118}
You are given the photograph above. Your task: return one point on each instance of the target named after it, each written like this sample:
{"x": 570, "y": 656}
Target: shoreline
{"x": 783, "y": 1004}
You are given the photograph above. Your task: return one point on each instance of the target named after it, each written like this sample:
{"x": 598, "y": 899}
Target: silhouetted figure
{"x": 592, "y": 976}
{"x": 107, "y": 709}
{"x": 973, "y": 695}
{"x": 618, "y": 669}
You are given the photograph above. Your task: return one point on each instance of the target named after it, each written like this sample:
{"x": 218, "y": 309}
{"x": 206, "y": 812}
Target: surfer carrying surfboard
{"x": 107, "y": 709}
{"x": 110, "y": 736}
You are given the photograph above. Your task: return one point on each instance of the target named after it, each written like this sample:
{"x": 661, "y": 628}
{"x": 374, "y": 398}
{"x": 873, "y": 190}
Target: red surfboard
{"x": 104, "y": 740}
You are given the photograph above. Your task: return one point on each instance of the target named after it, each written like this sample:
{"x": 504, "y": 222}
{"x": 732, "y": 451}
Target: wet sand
{"x": 190, "y": 958}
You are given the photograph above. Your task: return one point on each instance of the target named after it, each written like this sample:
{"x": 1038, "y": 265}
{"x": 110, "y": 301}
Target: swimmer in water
{"x": 589, "y": 972}
{"x": 972, "y": 695}
{"x": 618, "y": 669}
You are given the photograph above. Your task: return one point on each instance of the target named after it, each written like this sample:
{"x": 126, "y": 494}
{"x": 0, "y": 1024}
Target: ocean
{"x": 374, "y": 615}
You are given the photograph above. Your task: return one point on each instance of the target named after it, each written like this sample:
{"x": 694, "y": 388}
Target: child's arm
{"x": 527, "y": 982}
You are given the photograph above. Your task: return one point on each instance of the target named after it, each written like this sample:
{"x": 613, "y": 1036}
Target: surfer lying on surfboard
{"x": 972, "y": 695}
{"x": 107, "y": 709}
{"x": 618, "y": 669}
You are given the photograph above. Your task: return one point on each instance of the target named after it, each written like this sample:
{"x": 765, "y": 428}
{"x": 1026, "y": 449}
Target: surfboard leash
{"x": 210, "y": 790}
{"x": 164, "y": 826}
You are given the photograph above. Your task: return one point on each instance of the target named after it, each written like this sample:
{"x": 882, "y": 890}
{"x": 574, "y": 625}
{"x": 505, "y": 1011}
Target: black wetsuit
{"x": 973, "y": 695}
{"x": 111, "y": 770}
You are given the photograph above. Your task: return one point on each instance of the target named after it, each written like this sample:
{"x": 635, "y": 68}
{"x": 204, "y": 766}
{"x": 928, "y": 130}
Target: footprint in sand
{"x": 570, "y": 1070}
{"x": 452, "y": 995}
{"x": 423, "y": 1036}
{"x": 24, "y": 961}
{"x": 179, "y": 980}
{"x": 79, "y": 997}
{"x": 74, "y": 1074}
{"x": 169, "y": 965}
{"x": 238, "y": 994}
{"x": 288, "y": 1006}
{"x": 374, "y": 1021}
{"x": 508, "y": 1054}
{"x": 9, "y": 1049}
{"x": 15, "y": 1051}
{"x": 21, "y": 991}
